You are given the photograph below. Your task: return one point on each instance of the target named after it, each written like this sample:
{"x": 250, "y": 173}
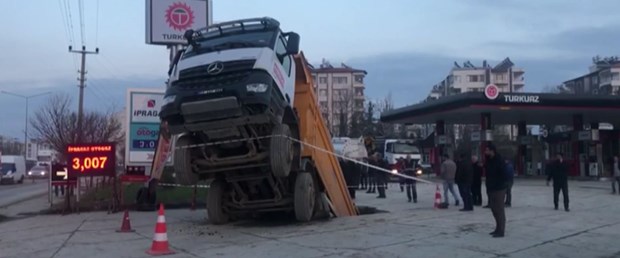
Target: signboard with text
{"x": 167, "y": 20}
{"x": 92, "y": 159}
{"x": 142, "y": 125}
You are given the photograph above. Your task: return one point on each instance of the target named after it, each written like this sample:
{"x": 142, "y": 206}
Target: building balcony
{"x": 360, "y": 96}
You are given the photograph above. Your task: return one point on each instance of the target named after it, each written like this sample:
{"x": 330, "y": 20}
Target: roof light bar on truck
{"x": 244, "y": 25}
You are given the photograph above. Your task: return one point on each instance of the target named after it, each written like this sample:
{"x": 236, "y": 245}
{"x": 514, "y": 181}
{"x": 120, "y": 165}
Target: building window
{"x": 615, "y": 76}
{"x": 324, "y": 105}
{"x": 314, "y": 78}
{"x": 340, "y": 80}
{"x": 473, "y": 78}
{"x": 595, "y": 80}
{"x": 359, "y": 78}
{"x": 322, "y": 79}
{"x": 323, "y": 93}
{"x": 500, "y": 77}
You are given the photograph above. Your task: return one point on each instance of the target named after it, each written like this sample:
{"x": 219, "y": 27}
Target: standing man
{"x": 448, "y": 172}
{"x": 381, "y": 176}
{"x": 372, "y": 180}
{"x": 510, "y": 174}
{"x": 476, "y": 186}
{"x": 364, "y": 177}
{"x": 464, "y": 178}
{"x": 496, "y": 188}
{"x": 616, "y": 176}
{"x": 559, "y": 174}
{"x": 410, "y": 170}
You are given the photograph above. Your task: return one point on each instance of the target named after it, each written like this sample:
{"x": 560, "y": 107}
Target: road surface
{"x": 534, "y": 229}
{"x": 11, "y": 194}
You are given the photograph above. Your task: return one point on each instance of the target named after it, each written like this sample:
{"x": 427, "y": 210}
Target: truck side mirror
{"x": 292, "y": 46}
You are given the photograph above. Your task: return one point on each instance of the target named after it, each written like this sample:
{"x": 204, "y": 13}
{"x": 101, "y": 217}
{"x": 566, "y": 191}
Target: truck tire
{"x": 215, "y": 203}
{"x": 183, "y": 162}
{"x": 305, "y": 197}
{"x": 281, "y": 151}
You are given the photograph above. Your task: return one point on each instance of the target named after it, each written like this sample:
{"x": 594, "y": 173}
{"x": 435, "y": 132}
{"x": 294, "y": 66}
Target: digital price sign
{"x": 97, "y": 159}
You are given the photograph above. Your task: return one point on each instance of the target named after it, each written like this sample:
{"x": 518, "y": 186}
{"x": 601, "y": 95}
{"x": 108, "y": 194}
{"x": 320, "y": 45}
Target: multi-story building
{"x": 603, "y": 78}
{"x": 471, "y": 78}
{"x": 340, "y": 93}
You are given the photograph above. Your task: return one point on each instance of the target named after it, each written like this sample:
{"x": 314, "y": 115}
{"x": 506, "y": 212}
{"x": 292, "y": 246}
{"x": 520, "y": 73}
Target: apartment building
{"x": 471, "y": 78}
{"x": 340, "y": 93}
{"x": 603, "y": 78}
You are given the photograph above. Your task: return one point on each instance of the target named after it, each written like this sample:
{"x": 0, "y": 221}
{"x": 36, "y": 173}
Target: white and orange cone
{"x": 160, "y": 239}
{"x": 437, "y": 197}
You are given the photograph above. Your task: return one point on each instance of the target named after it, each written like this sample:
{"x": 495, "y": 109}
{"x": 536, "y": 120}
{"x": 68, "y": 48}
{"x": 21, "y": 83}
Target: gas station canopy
{"x": 510, "y": 108}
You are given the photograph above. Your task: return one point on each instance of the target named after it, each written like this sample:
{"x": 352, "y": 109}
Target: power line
{"x": 82, "y": 27}
{"x": 97, "y": 25}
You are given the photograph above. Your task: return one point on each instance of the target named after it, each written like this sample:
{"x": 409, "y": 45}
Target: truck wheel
{"x": 183, "y": 161}
{"x": 305, "y": 197}
{"x": 215, "y": 203}
{"x": 281, "y": 151}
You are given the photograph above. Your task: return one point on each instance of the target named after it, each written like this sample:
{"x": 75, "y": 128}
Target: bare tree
{"x": 384, "y": 105}
{"x": 344, "y": 110}
{"x": 56, "y": 124}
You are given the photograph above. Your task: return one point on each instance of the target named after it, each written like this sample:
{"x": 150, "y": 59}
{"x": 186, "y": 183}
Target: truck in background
{"x": 394, "y": 149}
{"x": 13, "y": 169}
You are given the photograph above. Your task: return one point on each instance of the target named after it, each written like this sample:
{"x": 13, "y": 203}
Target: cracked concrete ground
{"x": 534, "y": 229}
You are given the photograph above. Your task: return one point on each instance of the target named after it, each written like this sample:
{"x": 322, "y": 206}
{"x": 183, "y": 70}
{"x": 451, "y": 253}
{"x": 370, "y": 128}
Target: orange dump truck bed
{"x": 314, "y": 132}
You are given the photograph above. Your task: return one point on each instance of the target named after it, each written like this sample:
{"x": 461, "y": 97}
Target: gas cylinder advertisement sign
{"x": 142, "y": 125}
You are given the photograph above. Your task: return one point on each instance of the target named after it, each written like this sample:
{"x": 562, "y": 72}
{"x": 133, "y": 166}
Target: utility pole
{"x": 82, "y": 71}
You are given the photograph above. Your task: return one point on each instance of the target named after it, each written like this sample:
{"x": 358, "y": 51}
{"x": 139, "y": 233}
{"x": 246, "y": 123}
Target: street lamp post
{"x": 26, "y": 125}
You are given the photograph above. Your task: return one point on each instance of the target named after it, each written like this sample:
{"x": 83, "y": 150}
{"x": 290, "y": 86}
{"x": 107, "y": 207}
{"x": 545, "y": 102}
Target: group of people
{"x": 467, "y": 175}
{"x": 376, "y": 180}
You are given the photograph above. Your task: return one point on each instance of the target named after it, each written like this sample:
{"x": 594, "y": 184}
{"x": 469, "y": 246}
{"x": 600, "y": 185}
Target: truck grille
{"x": 197, "y": 77}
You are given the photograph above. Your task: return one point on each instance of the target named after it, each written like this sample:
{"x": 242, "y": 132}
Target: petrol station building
{"x": 586, "y": 148}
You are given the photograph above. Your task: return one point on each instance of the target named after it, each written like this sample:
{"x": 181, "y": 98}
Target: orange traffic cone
{"x": 126, "y": 225}
{"x": 160, "y": 239}
{"x": 437, "y": 198}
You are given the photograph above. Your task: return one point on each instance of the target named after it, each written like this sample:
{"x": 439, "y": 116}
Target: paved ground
{"x": 534, "y": 229}
{"x": 10, "y": 194}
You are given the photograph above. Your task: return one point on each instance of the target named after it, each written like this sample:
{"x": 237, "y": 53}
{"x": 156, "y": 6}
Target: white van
{"x": 13, "y": 169}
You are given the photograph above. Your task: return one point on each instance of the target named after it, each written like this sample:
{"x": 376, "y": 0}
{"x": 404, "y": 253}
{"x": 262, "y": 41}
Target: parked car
{"x": 13, "y": 169}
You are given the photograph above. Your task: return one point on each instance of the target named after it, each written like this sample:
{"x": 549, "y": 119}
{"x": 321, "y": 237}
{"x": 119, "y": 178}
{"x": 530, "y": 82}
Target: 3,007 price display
{"x": 89, "y": 163}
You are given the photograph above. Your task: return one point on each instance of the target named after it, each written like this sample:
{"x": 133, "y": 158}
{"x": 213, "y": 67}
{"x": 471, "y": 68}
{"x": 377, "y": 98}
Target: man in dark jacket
{"x": 510, "y": 174}
{"x": 476, "y": 186}
{"x": 463, "y": 179}
{"x": 410, "y": 169}
{"x": 372, "y": 180}
{"x": 559, "y": 174}
{"x": 496, "y": 188}
{"x": 381, "y": 176}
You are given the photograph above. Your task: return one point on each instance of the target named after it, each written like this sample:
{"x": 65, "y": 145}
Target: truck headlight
{"x": 419, "y": 172}
{"x": 169, "y": 99}
{"x": 30, "y": 173}
{"x": 394, "y": 171}
{"x": 256, "y": 87}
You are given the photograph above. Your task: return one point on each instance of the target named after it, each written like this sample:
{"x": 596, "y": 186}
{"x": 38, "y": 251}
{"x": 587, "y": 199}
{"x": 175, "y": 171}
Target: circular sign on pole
{"x": 545, "y": 133}
{"x": 491, "y": 91}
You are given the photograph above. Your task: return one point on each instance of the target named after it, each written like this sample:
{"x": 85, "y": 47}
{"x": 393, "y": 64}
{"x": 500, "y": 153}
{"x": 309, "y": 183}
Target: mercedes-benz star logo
{"x": 215, "y": 68}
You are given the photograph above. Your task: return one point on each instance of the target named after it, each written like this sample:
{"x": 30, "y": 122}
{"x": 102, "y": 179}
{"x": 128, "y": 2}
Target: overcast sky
{"x": 406, "y": 46}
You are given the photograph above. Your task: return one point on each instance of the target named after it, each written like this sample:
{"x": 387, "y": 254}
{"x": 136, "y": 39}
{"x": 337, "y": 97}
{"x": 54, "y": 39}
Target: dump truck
{"x": 241, "y": 107}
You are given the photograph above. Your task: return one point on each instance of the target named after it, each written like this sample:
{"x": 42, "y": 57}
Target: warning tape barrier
{"x": 309, "y": 145}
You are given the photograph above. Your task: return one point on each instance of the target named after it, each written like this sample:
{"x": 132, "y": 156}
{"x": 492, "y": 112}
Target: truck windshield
{"x": 228, "y": 41}
{"x": 404, "y": 148}
{"x": 6, "y": 167}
